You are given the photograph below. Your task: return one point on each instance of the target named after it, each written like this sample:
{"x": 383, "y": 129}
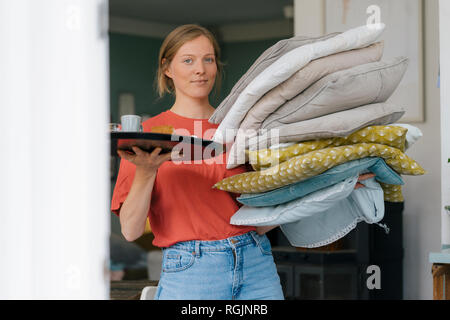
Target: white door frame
{"x": 54, "y": 85}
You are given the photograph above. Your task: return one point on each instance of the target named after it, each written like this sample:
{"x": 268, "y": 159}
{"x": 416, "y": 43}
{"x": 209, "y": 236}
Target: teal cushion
{"x": 330, "y": 177}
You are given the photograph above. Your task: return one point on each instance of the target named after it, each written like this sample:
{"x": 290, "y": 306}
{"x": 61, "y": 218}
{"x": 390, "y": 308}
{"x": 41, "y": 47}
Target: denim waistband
{"x": 197, "y": 246}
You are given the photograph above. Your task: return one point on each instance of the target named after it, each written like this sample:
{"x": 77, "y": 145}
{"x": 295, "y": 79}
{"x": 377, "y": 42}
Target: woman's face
{"x": 193, "y": 69}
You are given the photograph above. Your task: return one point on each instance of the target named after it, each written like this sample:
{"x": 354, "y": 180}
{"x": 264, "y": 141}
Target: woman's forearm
{"x": 134, "y": 210}
{"x": 263, "y": 229}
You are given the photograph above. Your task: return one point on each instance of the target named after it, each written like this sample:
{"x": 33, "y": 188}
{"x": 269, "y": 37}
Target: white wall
{"x": 422, "y": 215}
{"x": 309, "y": 18}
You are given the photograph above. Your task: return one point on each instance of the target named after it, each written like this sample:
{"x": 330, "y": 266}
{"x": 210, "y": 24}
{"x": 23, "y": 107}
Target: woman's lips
{"x": 199, "y": 81}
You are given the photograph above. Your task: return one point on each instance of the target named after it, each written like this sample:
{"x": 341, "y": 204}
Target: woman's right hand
{"x": 145, "y": 161}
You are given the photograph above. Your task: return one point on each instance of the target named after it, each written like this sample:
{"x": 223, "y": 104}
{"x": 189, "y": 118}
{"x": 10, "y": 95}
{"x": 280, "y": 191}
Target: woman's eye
{"x": 210, "y": 60}
{"x": 188, "y": 61}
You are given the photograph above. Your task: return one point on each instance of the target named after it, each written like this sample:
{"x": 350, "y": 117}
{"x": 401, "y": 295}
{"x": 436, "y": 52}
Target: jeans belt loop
{"x": 197, "y": 248}
{"x": 254, "y": 236}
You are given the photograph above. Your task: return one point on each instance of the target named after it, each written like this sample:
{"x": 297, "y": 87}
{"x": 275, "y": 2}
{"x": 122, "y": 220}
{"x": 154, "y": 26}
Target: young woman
{"x": 204, "y": 256}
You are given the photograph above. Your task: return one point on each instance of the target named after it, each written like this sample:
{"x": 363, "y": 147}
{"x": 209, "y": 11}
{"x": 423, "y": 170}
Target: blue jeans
{"x": 236, "y": 268}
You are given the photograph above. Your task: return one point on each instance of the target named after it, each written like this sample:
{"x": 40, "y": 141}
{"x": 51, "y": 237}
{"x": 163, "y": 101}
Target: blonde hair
{"x": 173, "y": 41}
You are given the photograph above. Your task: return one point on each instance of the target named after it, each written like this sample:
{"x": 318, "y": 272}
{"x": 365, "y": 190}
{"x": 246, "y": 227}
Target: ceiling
{"x": 204, "y": 12}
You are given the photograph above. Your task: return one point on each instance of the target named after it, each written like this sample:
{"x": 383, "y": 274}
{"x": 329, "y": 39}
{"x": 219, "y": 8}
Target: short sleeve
{"x": 123, "y": 185}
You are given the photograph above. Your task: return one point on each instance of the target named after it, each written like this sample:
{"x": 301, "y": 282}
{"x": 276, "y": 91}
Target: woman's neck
{"x": 193, "y": 108}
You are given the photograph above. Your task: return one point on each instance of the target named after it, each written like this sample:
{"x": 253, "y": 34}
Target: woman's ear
{"x": 166, "y": 67}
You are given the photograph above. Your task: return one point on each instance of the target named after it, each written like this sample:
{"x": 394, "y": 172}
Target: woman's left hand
{"x": 363, "y": 177}
{"x": 263, "y": 229}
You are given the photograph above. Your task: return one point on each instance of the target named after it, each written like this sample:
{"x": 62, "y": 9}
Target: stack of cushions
{"x": 308, "y": 188}
{"x": 311, "y": 194}
{"x": 233, "y": 110}
{"x": 325, "y": 99}
{"x": 336, "y": 105}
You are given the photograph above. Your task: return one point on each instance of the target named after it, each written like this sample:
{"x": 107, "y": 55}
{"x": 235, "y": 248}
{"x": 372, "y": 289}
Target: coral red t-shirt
{"x": 184, "y": 206}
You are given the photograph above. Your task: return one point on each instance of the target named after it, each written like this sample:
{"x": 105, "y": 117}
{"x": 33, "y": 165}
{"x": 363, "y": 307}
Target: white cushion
{"x": 413, "y": 134}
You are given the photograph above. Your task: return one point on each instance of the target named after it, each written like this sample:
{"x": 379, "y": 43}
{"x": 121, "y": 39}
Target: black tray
{"x": 193, "y": 148}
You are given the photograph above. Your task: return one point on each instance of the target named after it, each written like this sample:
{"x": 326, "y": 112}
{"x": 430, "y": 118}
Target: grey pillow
{"x": 307, "y": 76}
{"x": 338, "y": 124}
{"x": 361, "y": 85}
{"x": 264, "y": 60}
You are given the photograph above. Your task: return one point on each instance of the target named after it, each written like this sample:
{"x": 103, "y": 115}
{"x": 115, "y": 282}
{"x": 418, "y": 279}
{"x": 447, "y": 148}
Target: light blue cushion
{"x": 363, "y": 204}
{"x": 321, "y": 217}
{"x": 330, "y": 177}
{"x": 307, "y": 206}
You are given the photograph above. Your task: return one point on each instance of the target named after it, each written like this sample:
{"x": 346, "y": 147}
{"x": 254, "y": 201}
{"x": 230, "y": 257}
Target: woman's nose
{"x": 200, "y": 68}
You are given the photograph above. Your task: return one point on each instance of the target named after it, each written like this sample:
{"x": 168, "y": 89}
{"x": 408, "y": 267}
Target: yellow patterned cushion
{"x": 392, "y": 193}
{"x": 314, "y": 163}
{"x": 388, "y": 135}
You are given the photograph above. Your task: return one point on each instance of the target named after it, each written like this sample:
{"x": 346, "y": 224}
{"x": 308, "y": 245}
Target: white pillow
{"x": 285, "y": 67}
